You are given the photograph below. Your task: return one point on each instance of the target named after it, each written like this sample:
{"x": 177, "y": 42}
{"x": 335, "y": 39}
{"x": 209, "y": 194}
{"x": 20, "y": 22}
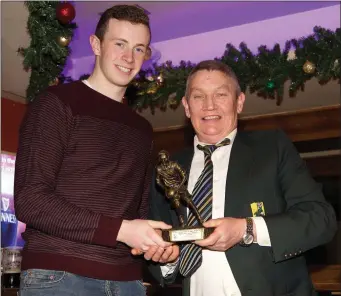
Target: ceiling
{"x": 169, "y": 20}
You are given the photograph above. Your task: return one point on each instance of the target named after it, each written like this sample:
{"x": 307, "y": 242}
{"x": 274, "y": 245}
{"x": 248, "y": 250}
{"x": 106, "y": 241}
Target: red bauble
{"x": 65, "y": 12}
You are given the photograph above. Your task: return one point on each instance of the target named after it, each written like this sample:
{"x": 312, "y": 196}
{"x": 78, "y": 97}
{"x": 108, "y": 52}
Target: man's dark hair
{"x": 214, "y": 65}
{"x": 129, "y": 13}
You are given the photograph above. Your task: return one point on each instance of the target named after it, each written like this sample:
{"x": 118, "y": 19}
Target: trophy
{"x": 171, "y": 178}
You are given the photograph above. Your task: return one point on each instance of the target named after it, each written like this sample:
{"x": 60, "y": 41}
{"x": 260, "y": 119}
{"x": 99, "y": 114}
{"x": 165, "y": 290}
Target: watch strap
{"x": 248, "y": 232}
{"x": 249, "y": 226}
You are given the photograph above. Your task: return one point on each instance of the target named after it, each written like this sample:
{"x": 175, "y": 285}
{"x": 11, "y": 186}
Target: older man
{"x": 256, "y": 191}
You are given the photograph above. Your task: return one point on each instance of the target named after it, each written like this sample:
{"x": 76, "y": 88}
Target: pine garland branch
{"x": 44, "y": 57}
{"x": 163, "y": 86}
{"x": 264, "y": 73}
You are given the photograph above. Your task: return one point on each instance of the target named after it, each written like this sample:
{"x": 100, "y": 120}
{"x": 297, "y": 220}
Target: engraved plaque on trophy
{"x": 171, "y": 178}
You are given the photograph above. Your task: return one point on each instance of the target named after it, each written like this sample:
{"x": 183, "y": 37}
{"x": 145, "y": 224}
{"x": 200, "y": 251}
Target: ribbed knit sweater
{"x": 83, "y": 165}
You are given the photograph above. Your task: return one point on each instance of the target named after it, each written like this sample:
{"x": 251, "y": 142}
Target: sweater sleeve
{"x": 143, "y": 210}
{"x": 43, "y": 138}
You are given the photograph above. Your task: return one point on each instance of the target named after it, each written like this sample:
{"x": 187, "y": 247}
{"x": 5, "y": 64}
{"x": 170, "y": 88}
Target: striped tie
{"x": 191, "y": 254}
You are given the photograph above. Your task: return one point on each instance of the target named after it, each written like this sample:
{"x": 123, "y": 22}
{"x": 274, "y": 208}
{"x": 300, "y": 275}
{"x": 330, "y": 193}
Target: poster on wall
{"x": 11, "y": 228}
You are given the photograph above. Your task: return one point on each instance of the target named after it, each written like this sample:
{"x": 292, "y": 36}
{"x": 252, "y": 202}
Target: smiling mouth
{"x": 212, "y": 117}
{"x": 124, "y": 69}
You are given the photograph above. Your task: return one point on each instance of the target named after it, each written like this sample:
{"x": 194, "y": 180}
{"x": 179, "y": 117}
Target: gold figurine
{"x": 171, "y": 178}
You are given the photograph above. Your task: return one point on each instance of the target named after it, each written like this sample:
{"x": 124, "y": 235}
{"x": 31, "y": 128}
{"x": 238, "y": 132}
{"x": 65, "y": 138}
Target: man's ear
{"x": 185, "y": 104}
{"x": 148, "y": 54}
{"x": 240, "y": 102}
{"x": 95, "y": 45}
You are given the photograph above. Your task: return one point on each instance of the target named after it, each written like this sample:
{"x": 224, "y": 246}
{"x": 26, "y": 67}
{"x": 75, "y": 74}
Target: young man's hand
{"x": 141, "y": 234}
{"x": 159, "y": 254}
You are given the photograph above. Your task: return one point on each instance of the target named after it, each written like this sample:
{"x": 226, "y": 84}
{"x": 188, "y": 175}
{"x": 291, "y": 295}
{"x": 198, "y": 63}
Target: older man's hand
{"x": 228, "y": 232}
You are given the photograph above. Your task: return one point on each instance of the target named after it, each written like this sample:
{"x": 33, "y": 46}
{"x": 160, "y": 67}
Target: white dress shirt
{"x": 214, "y": 276}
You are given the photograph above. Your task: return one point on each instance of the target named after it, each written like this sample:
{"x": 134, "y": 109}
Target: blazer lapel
{"x": 240, "y": 164}
{"x": 239, "y": 171}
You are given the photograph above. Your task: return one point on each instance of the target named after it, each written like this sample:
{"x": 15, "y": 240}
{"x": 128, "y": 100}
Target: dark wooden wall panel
{"x": 171, "y": 140}
{"x": 304, "y": 126}
{"x": 321, "y": 123}
{"x": 324, "y": 166}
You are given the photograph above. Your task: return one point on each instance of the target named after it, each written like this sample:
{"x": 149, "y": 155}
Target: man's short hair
{"x": 129, "y": 13}
{"x": 214, "y": 65}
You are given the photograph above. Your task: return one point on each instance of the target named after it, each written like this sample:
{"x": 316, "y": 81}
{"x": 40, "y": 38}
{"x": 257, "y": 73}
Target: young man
{"x": 266, "y": 208}
{"x": 83, "y": 171}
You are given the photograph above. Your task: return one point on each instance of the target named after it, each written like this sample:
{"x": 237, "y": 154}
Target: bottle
{"x": 11, "y": 280}
{"x": 11, "y": 263}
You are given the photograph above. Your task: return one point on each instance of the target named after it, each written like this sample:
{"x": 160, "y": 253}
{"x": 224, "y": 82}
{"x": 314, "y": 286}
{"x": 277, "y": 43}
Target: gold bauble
{"x": 159, "y": 79}
{"x": 152, "y": 89}
{"x": 336, "y": 65}
{"x": 54, "y": 82}
{"x": 172, "y": 101}
{"x": 64, "y": 41}
{"x": 309, "y": 67}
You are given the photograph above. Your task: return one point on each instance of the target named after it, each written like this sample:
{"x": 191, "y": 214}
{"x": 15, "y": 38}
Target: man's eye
{"x": 138, "y": 49}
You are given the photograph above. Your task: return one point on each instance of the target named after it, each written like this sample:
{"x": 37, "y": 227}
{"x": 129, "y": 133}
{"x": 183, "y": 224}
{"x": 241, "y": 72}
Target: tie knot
{"x": 209, "y": 149}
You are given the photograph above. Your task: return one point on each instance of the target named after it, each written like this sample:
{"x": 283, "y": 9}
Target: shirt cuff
{"x": 169, "y": 268}
{"x": 263, "y": 237}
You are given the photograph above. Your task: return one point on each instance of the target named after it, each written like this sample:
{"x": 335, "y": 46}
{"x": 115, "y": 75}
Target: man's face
{"x": 122, "y": 51}
{"x": 212, "y": 105}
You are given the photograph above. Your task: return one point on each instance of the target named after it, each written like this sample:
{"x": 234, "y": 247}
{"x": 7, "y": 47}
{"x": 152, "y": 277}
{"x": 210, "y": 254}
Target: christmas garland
{"x": 264, "y": 73}
{"x": 50, "y": 28}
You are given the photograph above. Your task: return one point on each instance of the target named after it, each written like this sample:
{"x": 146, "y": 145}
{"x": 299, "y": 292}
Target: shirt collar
{"x": 231, "y": 136}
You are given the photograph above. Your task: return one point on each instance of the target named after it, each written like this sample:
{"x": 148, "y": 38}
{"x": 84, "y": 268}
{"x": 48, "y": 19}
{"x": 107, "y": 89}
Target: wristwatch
{"x": 248, "y": 238}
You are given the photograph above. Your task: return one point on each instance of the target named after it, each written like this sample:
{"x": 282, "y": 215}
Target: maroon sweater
{"x": 83, "y": 165}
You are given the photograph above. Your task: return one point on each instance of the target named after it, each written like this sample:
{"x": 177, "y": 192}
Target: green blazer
{"x": 265, "y": 167}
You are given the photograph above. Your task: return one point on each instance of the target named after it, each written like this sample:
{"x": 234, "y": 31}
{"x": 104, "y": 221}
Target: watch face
{"x": 248, "y": 239}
